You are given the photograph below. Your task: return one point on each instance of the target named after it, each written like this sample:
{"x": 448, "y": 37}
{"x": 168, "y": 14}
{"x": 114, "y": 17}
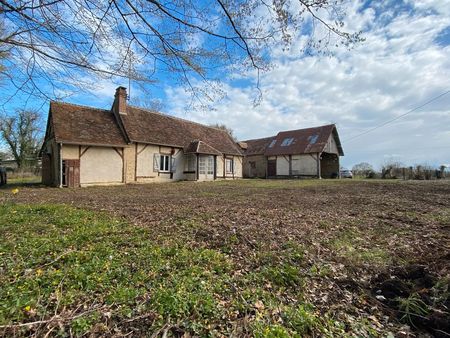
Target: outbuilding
{"x": 310, "y": 152}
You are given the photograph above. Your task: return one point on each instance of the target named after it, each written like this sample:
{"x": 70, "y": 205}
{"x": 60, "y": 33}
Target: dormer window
{"x": 287, "y": 141}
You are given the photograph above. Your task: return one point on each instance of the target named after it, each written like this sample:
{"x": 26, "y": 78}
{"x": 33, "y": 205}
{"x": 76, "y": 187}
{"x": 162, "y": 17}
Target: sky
{"x": 403, "y": 63}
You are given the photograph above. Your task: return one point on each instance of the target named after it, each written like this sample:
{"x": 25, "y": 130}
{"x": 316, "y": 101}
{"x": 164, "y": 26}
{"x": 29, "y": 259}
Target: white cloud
{"x": 399, "y": 67}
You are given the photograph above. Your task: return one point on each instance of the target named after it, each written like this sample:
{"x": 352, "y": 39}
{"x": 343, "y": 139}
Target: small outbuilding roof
{"x": 200, "y": 147}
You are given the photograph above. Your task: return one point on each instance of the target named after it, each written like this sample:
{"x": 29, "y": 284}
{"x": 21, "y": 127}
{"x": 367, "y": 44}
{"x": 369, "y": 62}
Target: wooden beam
{"x": 290, "y": 165}
{"x": 197, "y": 166}
{"x": 84, "y": 151}
{"x": 318, "y": 166}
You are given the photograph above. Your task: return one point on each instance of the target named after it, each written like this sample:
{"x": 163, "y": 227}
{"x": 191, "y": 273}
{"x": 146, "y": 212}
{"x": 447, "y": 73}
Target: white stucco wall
{"x": 220, "y": 166}
{"x": 70, "y": 152}
{"x": 282, "y": 165}
{"x": 100, "y": 165}
{"x": 238, "y": 166}
{"x": 304, "y": 164}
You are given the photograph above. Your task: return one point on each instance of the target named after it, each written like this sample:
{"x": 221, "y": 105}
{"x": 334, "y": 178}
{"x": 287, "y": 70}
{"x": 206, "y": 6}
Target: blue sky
{"x": 404, "y": 62}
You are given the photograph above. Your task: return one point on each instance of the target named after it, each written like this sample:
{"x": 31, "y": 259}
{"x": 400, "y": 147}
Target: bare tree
{"x": 55, "y": 46}
{"x": 225, "y": 128}
{"x": 363, "y": 169}
{"x": 21, "y": 135}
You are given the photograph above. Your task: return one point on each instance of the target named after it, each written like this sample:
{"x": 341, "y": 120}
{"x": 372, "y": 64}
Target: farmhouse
{"x": 89, "y": 146}
{"x": 311, "y": 152}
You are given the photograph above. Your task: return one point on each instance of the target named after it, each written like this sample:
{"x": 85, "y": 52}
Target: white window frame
{"x": 202, "y": 165}
{"x": 164, "y": 163}
{"x": 210, "y": 166}
{"x": 190, "y": 162}
{"x": 229, "y": 165}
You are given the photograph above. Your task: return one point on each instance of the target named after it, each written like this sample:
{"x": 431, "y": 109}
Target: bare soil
{"x": 369, "y": 246}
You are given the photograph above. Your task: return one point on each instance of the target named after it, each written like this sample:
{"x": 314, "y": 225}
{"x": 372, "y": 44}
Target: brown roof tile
{"x": 84, "y": 125}
{"x": 302, "y": 141}
{"x": 155, "y": 128}
{"x": 200, "y": 147}
{"x": 257, "y": 146}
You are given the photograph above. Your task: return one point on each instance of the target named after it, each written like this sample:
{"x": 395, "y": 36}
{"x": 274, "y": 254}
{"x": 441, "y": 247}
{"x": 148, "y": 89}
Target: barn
{"x": 310, "y": 152}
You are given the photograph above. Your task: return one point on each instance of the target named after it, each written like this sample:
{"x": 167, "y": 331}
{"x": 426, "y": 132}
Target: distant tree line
{"x": 397, "y": 170}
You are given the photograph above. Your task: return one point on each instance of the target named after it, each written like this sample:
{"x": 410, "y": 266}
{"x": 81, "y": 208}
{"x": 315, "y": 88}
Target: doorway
{"x": 272, "y": 168}
{"x": 206, "y": 168}
{"x": 70, "y": 173}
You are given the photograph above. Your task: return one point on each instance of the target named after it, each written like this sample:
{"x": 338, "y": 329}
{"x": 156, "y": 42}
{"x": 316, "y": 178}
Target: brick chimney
{"x": 120, "y": 101}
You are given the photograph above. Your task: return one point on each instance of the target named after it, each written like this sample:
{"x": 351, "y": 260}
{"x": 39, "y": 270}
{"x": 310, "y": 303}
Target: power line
{"x": 398, "y": 117}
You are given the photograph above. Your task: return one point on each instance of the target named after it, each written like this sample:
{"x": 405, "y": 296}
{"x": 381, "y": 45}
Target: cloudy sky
{"x": 403, "y": 63}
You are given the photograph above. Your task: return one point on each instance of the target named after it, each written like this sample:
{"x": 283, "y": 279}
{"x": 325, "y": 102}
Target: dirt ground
{"x": 378, "y": 251}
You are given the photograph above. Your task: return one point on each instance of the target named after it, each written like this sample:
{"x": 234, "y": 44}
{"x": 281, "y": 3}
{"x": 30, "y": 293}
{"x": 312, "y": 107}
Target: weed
{"x": 411, "y": 308}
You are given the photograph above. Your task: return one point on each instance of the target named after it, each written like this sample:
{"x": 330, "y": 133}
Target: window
{"x": 229, "y": 165}
{"x": 190, "y": 162}
{"x": 202, "y": 165}
{"x": 287, "y": 141}
{"x": 206, "y": 165}
{"x": 164, "y": 163}
{"x": 313, "y": 139}
{"x": 272, "y": 143}
{"x": 210, "y": 165}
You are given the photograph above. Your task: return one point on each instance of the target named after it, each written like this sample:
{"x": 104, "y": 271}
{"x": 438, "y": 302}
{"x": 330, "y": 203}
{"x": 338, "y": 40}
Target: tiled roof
{"x": 257, "y": 146}
{"x": 155, "y": 128}
{"x": 199, "y": 147}
{"x": 84, "y": 125}
{"x": 300, "y": 141}
{"x": 87, "y": 125}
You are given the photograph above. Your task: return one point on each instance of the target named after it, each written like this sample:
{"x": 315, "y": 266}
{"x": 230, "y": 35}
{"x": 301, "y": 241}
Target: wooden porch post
{"x": 196, "y": 171}
{"x": 290, "y": 165}
{"x": 318, "y": 166}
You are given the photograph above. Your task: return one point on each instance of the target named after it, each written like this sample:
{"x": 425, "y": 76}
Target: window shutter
{"x": 233, "y": 166}
{"x": 173, "y": 165}
{"x": 155, "y": 162}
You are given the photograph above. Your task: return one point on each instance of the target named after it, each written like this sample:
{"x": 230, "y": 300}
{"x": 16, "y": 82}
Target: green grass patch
{"x": 85, "y": 272}
{"x": 350, "y": 245}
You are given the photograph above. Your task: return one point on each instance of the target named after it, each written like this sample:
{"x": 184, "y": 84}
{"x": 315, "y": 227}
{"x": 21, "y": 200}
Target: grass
{"x": 82, "y": 272}
{"x": 276, "y": 258}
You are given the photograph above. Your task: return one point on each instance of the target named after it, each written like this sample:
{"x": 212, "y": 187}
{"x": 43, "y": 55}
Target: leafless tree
{"x": 363, "y": 169}
{"x": 21, "y": 133}
{"x": 224, "y": 128}
{"x": 56, "y": 47}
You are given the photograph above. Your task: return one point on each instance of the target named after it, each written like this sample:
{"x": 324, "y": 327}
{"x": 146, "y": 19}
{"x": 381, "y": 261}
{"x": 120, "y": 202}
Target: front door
{"x": 71, "y": 173}
{"x": 206, "y": 167}
{"x": 272, "y": 168}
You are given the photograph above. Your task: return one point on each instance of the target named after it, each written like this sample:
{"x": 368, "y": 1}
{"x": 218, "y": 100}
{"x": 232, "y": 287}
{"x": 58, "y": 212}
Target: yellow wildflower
{"x": 15, "y": 191}
{"x": 27, "y": 308}
{"x": 38, "y": 272}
